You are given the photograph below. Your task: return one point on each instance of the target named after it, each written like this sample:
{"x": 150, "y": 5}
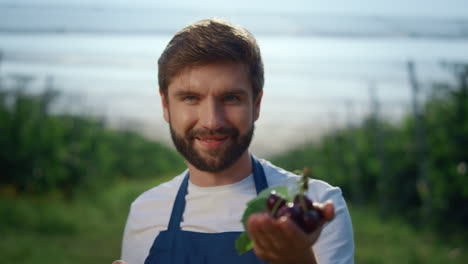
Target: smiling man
{"x": 211, "y": 87}
{"x": 211, "y": 110}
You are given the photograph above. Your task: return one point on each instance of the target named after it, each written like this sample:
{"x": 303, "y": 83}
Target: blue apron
{"x": 176, "y": 246}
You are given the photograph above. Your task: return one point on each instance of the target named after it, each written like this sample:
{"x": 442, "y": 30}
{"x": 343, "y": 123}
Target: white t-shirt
{"x": 219, "y": 209}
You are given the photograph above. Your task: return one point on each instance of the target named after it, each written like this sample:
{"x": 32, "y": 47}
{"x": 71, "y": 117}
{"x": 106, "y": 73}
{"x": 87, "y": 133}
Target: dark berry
{"x": 311, "y": 216}
{"x": 307, "y": 202}
{"x": 292, "y": 212}
{"x": 275, "y": 199}
{"x": 311, "y": 220}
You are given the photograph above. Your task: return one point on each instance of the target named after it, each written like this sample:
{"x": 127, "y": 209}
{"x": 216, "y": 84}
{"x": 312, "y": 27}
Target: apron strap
{"x": 259, "y": 175}
{"x": 179, "y": 206}
{"x": 179, "y": 203}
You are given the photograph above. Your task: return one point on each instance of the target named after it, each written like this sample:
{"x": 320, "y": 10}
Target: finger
{"x": 327, "y": 209}
{"x": 271, "y": 235}
{"x": 254, "y": 226}
{"x": 255, "y": 222}
{"x": 119, "y": 262}
{"x": 260, "y": 249}
{"x": 291, "y": 232}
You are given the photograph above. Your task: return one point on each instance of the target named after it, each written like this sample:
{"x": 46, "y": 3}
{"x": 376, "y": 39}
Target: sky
{"x": 263, "y": 15}
{"x": 433, "y": 8}
{"x": 318, "y": 54}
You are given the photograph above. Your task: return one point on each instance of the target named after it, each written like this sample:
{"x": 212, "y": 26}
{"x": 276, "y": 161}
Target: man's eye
{"x": 189, "y": 98}
{"x": 231, "y": 98}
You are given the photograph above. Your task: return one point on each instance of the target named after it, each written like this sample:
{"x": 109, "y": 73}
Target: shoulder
{"x": 154, "y": 205}
{"x": 276, "y": 175}
{"x": 336, "y": 242}
{"x": 149, "y": 214}
{"x": 164, "y": 191}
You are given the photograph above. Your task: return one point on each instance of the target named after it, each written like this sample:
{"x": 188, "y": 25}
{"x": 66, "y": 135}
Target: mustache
{"x": 222, "y": 131}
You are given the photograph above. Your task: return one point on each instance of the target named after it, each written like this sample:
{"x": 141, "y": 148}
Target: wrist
{"x": 309, "y": 258}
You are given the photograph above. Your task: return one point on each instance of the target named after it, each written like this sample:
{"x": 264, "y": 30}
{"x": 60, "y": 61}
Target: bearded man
{"x": 211, "y": 86}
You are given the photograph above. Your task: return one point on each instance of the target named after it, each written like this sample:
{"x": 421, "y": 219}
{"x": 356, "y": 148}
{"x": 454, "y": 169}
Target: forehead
{"x": 213, "y": 77}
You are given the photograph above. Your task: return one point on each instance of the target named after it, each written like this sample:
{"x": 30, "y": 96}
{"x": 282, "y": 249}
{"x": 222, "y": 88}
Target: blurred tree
{"x": 41, "y": 152}
{"x": 444, "y": 117}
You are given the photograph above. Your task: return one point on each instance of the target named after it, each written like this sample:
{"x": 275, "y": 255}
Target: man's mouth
{"x": 211, "y": 142}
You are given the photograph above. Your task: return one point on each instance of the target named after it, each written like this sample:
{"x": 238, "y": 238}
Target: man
{"x": 211, "y": 88}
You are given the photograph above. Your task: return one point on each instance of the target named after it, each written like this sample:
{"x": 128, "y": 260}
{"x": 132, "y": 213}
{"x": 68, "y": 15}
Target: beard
{"x": 212, "y": 160}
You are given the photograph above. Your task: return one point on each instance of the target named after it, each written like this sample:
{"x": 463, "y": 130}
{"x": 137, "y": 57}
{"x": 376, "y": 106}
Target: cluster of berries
{"x": 302, "y": 211}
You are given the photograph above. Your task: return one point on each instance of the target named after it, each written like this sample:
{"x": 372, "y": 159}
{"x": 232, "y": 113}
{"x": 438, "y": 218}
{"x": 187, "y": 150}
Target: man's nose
{"x": 212, "y": 115}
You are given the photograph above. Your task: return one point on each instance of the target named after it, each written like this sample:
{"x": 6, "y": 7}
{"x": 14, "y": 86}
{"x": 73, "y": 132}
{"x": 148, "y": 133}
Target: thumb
{"x": 327, "y": 208}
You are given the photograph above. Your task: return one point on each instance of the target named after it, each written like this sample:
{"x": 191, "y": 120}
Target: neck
{"x": 238, "y": 171}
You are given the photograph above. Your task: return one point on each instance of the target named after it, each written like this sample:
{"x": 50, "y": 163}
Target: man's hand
{"x": 281, "y": 241}
{"x": 119, "y": 262}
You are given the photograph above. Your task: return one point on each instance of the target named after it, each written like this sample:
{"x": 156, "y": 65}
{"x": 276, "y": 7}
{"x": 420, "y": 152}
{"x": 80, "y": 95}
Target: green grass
{"x": 89, "y": 230}
{"x": 50, "y": 230}
{"x": 394, "y": 241}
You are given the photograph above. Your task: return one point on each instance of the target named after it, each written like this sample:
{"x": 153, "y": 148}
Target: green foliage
{"x": 256, "y": 205}
{"x": 42, "y": 153}
{"x": 89, "y": 230}
{"x": 244, "y": 243}
{"x": 377, "y": 162}
{"x": 393, "y": 240}
{"x": 446, "y": 118}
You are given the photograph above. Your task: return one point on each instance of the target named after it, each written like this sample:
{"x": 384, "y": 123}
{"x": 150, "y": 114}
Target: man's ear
{"x": 257, "y": 105}
{"x": 165, "y": 105}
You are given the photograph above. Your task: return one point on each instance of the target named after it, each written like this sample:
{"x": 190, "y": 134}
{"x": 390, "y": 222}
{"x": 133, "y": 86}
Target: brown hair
{"x": 207, "y": 41}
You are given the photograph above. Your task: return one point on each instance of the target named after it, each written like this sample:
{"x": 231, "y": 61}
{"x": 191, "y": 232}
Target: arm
{"x": 336, "y": 242}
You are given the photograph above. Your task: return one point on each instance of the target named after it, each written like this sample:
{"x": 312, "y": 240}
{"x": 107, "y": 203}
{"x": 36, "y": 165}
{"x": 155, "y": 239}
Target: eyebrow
{"x": 184, "y": 92}
{"x": 237, "y": 91}
{"x": 181, "y": 93}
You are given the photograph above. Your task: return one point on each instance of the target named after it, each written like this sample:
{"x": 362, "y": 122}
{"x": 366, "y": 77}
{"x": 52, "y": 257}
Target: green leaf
{"x": 282, "y": 190}
{"x": 298, "y": 172}
{"x": 258, "y": 204}
{"x": 255, "y": 205}
{"x": 243, "y": 243}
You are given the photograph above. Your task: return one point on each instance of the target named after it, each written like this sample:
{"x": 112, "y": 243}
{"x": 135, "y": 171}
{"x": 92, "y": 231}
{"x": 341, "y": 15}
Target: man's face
{"x": 211, "y": 113}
